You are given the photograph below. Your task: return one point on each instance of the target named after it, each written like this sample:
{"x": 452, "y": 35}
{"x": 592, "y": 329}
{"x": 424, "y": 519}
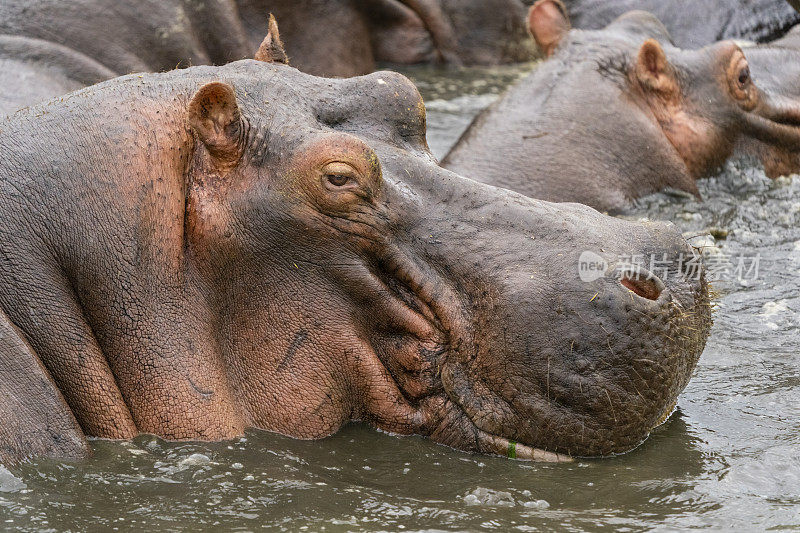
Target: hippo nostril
{"x": 649, "y": 288}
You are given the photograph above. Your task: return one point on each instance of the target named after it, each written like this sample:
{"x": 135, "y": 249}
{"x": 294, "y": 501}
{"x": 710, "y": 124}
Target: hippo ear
{"x": 271, "y": 49}
{"x": 654, "y": 71}
{"x": 214, "y": 116}
{"x": 548, "y": 23}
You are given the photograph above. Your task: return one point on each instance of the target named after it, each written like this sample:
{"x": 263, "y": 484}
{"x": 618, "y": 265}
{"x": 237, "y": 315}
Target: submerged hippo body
{"x": 619, "y": 113}
{"x": 191, "y": 253}
{"x": 694, "y": 24}
{"x": 348, "y": 37}
{"x": 51, "y": 47}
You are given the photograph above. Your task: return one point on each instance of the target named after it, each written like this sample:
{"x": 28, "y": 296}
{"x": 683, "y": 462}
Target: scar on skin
{"x": 204, "y": 393}
{"x": 299, "y": 338}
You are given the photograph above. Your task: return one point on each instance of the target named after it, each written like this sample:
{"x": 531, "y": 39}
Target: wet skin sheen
{"x": 191, "y": 253}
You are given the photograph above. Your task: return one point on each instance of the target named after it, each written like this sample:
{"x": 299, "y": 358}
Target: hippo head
{"x": 354, "y": 279}
{"x": 703, "y": 101}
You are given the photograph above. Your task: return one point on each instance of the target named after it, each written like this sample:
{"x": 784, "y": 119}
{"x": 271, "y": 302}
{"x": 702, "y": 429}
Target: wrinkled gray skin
{"x": 173, "y": 266}
{"x": 51, "y": 47}
{"x": 582, "y": 127}
{"x": 694, "y": 24}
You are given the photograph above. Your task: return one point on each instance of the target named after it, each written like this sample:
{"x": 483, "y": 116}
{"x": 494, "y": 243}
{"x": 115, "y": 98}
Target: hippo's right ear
{"x": 271, "y": 49}
{"x": 654, "y": 71}
{"x": 214, "y": 116}
{"x": 548, "y": 23}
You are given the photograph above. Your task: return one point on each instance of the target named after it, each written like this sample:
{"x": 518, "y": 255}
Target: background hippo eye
{"x": 337, "y": 180}
{"x": 744, "y": 76}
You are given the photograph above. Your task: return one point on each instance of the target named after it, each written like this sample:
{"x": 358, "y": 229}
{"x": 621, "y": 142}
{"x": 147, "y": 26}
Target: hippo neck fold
{"x": 142, "y": 149}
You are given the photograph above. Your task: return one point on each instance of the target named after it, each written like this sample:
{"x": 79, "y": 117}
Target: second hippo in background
{"x": 619, "y": 113}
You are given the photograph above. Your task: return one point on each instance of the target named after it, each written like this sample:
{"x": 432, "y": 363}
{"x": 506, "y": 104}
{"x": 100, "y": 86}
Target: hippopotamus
{"x": 191, "y": 253}
{"x": 777, "y": 67}
{"x": 695, "y": 24}
{"x": 356, "y": 34}
{"x": 51, "y": 47}
{"x": 619, "y": 113}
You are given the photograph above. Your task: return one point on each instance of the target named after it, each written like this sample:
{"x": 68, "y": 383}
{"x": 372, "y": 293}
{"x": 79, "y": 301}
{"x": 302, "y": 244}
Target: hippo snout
{"x": 642, "y": 331}
{"x": 587, "y": 363}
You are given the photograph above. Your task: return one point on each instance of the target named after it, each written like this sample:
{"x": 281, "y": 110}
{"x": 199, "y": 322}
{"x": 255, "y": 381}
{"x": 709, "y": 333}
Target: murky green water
{"x": 729, "y": 458}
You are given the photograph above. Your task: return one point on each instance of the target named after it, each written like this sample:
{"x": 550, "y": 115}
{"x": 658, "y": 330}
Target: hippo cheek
{"x": 593, "y": 383}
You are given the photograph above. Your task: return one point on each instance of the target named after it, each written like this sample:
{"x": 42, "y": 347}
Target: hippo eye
{"x": 338, "y": 175}
{"x": 337, "y": 180}
{"x": 744, "y": 76}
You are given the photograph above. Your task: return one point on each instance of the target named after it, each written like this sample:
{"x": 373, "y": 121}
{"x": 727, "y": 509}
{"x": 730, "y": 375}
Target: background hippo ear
{"x": 654, "y": 71}
{"x": 214, "y": 116}
{"x": 271, "y": 49}
{"x": 548, "y": 23}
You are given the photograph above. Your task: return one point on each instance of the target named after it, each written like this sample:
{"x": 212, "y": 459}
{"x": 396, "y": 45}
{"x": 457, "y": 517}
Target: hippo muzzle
{"x": 547, "y": 358}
